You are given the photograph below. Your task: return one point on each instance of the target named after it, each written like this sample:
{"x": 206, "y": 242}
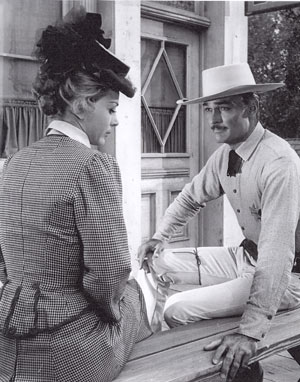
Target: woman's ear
{"x": 78, "y": 109}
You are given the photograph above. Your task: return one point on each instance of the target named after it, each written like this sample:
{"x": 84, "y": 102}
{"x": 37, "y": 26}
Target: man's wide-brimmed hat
{"x": 229, "y": 80}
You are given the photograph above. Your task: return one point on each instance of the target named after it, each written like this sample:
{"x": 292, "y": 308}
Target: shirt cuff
{"x": 161, "y": 237}
{"x": 255, "y": 323}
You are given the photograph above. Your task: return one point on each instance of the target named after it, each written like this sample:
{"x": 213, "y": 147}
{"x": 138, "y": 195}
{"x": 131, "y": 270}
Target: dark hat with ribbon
{"x": 77, "y": 44}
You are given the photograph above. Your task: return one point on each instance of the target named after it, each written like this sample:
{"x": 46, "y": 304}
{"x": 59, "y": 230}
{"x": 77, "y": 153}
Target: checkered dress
{"x": 67, "y": 311}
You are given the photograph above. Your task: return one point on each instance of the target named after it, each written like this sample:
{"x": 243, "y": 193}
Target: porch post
{"x": 235, "y": 51}
{"x": 128, "y": 135}
{"x": 126, "y": 32}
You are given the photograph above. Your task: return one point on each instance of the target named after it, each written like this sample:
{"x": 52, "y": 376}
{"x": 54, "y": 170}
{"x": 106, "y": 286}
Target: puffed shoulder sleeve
{"x": 101, "y": 227}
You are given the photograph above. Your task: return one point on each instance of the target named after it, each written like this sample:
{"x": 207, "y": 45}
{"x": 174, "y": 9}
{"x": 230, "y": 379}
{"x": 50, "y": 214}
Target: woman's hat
{"x": 77, "y": 43}
{"x": 229, "y": 80}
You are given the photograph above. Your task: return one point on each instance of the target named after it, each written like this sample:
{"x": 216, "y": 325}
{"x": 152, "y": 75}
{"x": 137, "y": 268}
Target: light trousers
{"x": 220, "y": 280}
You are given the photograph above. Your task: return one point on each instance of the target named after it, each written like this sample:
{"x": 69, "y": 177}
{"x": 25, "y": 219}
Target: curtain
{"x": 176, "y": 141}
{"x": 21, "y": 123}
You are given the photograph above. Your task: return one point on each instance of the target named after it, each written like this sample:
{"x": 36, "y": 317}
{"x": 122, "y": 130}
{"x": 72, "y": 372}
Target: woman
{"x": 67, "y": 311}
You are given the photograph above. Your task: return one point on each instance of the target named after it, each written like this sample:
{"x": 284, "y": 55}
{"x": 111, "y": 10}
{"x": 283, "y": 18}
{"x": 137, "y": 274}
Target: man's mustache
{"x": 218, "y": 127}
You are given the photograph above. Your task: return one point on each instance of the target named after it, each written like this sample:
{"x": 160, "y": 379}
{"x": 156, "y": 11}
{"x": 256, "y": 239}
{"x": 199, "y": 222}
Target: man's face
{"x": 228, "y": 119}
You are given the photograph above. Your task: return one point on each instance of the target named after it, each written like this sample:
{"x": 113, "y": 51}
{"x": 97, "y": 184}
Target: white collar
{"x": 69, "y": 130}
{"x": 246, "y": 149}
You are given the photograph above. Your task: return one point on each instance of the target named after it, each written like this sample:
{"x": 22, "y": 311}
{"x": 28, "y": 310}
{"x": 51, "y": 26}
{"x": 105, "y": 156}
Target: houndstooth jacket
{"x": 67, "y": 311}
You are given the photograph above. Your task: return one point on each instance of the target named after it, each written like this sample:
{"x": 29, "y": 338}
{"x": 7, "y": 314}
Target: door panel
{"x": 170, "y": 132}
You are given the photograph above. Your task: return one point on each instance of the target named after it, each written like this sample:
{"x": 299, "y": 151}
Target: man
{"x": 260, "y": 174}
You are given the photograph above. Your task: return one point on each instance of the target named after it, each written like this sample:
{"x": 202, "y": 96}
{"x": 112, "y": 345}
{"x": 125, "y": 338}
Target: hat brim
{"x": 257, "y": 88}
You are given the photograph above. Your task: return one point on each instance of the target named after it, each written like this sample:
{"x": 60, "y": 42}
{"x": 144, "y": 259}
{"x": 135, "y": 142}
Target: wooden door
{"x": 170, "y": 69}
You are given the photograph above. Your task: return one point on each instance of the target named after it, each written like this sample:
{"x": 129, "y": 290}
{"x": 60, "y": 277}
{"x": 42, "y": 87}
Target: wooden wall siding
{"x": 183, "y": 233}
{"x": 148, "y": 213}
{"x": 154, "y": 173}
{"x": 176, "y": 142}
{"x": 187, "y": 5}
{"x": 161, "y": 11}
{"x": 21, "y": 122}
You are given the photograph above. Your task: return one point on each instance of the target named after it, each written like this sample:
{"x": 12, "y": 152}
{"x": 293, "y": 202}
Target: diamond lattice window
{"x": 163, "y": 83}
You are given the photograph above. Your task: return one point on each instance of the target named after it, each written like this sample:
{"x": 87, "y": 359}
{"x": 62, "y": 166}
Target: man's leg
{"x": 221, "y": 300}
{"x": 200, "y": 266}
{"x": 225, "y": 275}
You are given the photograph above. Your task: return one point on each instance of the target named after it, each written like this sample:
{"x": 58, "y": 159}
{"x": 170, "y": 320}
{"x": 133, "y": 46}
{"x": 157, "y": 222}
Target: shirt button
{"x": 243, "y": 228}
{"x": 263, "y": 335}
{"x": 238, "y": 210}
{"x": 269, "y": 317}
{"x": 235, "y": 191}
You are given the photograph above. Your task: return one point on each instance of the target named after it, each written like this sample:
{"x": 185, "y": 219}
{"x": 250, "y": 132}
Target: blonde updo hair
{"x": 75, "y": 92}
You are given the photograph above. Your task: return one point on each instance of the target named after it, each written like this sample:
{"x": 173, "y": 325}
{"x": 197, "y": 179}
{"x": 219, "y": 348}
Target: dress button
{"x": 238, "y": 210}
{"x": 235, "y": 191}
{"x": 12, "y": 330}
{"x": 35, "y": 285}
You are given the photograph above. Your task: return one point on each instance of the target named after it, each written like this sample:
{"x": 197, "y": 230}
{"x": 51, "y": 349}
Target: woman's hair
{"x": 76, "y": 64}
{"x": 75, "y": 91}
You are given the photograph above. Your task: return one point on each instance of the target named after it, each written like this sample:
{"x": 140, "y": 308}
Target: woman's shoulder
{"x": 103, "y": 162}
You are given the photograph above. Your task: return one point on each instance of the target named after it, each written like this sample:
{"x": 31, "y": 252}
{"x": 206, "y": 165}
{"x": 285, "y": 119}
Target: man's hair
{"x": 251, "y": 99}
{"x": 248, "y": 98}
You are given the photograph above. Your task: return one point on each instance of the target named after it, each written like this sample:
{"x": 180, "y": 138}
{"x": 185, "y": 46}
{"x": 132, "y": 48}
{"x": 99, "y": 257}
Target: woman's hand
{"x": 145, "y": 252}
{"x": 235, "y": 350}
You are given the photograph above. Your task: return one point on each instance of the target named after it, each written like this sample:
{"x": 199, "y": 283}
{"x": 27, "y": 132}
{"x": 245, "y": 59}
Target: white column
{"x": 236, "y": 33}
{"x": 2, "y": 15}
{"x": 90, "y": 5}
{"x": 235, "y": 51}
{"x": 127, "y": 34}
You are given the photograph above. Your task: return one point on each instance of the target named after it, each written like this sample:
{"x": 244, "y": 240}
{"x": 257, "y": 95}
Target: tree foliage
{"x": 274, "y": 56}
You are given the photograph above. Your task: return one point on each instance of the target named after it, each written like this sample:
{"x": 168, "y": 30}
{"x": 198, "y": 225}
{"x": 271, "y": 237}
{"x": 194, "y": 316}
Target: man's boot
{"x": 252, "y": 374}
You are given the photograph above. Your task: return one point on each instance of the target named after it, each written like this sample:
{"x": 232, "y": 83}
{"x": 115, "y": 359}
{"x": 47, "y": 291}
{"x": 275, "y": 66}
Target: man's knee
{"x": 173, "y": 315}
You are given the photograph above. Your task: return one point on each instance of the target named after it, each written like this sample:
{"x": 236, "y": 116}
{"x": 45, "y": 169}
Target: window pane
{"x": 161, "y": 95}
{"x": 150, "y": 143}
{"x": 149, "y": 51}
{"x": 161, "y": 91}
{"x": 176, "y": 142}
{"x": 177, "y": 57}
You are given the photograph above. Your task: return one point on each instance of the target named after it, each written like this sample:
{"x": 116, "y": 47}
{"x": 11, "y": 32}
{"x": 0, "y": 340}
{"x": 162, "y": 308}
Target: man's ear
{"x": 249, "y": 111}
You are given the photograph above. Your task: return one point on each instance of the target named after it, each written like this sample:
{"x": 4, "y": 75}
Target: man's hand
{"x": 235, "y": 350}
{"x": 145, "y": 252}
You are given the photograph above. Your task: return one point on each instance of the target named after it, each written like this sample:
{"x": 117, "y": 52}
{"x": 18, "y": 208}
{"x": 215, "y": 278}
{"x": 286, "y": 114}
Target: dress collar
{"x": 246, "y": 149}
{"x": 69, "y": 130}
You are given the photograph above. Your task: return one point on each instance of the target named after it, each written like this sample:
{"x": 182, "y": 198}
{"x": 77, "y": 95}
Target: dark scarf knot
{"x": 234, "y": 164}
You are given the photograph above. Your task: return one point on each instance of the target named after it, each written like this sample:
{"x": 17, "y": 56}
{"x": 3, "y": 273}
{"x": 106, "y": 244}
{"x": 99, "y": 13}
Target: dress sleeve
{"x": 276, "y": 246}
{"x": 101, "y": 227}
